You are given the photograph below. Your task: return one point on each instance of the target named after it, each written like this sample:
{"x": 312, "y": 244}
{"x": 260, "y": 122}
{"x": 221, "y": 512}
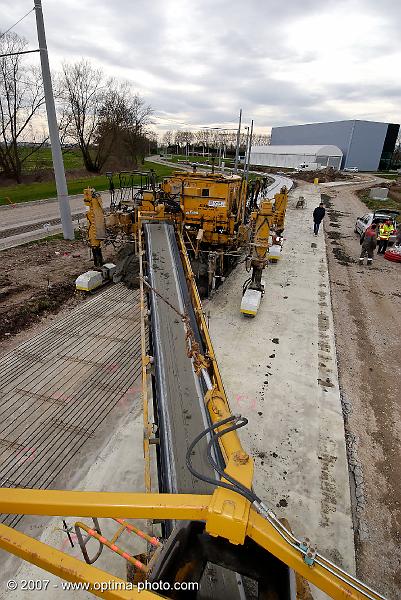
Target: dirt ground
{"x": 367, "y": 318}
{"x": 324, "y": 176}
{"x": 36, "y": 281}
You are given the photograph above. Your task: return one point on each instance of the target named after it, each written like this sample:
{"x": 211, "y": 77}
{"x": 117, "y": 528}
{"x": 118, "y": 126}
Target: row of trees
{"x": 105, "y": 118}
{"x": 211, "y": 139}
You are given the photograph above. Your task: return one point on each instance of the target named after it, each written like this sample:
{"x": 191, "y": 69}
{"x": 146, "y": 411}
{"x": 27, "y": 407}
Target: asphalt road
{"x": 28, "y": 221}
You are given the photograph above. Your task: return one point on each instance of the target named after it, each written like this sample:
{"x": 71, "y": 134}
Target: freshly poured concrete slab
{"x": 279, "y": 370}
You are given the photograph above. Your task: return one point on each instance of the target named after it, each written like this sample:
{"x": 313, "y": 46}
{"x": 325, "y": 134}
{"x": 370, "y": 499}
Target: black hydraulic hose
{"x": 239, "y": 487}
{"x": 235, "y": 486}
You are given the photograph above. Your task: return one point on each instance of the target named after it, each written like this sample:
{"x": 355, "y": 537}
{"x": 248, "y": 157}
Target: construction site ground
{"x": 280, "y": 370}
{"x": 36, "y": 281}
{"x": 367, "y": 318}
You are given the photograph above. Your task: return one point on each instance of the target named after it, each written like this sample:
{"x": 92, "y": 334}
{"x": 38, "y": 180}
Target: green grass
{"x": 388, "y": 175}
{"x": 24, "y": 192}
{"x": 390, "y": 203}
{"x": 380, "y": 204}
{"x": 160, "y": 170}
{"x": 42, "y": 158}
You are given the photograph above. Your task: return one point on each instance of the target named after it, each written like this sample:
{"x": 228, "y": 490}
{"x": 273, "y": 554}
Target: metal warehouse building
{"x": 293, "y": 156}
{"x": 368, "y": 145}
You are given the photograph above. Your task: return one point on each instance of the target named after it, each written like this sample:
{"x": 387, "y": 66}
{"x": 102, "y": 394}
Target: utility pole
{"x": 249, "y": 151}
{"x": 58, "y": 165}
{"x": 246, "y": 150}
{"x": 238, "y": 141}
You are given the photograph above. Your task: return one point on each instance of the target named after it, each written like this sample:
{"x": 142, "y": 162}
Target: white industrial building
{"x": 291, "y": 157}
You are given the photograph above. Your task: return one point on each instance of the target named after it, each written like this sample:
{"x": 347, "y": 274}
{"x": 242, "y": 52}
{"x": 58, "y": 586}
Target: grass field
{"x": 390, "y": 203}
{"x": 42, "y": 158}
{"x": 47, "y": 189}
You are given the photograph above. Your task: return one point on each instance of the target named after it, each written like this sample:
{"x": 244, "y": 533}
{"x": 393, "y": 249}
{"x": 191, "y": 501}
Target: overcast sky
{"x": 198, "y": 61}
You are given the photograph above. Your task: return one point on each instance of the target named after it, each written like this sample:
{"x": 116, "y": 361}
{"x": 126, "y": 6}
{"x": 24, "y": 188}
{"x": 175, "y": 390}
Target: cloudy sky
{"x": 198, "y": 61}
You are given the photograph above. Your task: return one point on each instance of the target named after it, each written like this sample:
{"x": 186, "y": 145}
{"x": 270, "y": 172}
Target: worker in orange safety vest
{"x": 385, "y": 230}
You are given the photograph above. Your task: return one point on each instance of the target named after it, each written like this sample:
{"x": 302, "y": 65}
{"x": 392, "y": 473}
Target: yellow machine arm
{"x": 96, "y": 224}
{"x": 280, "y": 208}
{"x": 267, "y": 222}
{"x": 225, "y": 514}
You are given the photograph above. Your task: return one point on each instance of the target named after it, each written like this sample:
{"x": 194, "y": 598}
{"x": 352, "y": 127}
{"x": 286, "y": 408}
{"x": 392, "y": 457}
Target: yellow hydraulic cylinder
{"x": 95, "y": 217}
{"x": 280, "y": 208}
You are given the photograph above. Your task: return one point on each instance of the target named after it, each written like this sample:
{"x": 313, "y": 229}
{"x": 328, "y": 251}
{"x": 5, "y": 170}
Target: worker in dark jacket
{"x": 318, "y": 215}
{"x": 368, "y": 241}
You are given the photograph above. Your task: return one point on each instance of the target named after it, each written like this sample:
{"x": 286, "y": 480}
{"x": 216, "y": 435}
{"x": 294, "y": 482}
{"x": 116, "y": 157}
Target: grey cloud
{"x": 228, "y": 49}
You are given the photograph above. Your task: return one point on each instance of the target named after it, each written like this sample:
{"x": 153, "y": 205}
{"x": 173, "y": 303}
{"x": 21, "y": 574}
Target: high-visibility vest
{"x": 385, "y": 231}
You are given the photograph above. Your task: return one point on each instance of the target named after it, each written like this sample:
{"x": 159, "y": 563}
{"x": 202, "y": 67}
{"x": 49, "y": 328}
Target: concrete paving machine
{"x": 209, "y": 208}
{"x": 218, "y": 540}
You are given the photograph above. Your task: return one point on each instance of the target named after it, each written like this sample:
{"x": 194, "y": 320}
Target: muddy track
{"x": 367, "y": 324}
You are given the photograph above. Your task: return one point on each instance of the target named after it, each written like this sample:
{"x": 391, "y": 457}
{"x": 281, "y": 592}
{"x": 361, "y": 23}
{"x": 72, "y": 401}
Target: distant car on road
{"x": 351, "y": 169}
{"x": 379, "y": 216}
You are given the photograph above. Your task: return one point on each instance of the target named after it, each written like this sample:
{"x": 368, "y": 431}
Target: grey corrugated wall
{"x": 361, "y": 141}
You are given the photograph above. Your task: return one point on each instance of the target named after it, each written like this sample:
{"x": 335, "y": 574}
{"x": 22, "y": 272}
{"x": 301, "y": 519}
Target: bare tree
{"x": 168, "y": 138}
{"x": 122, "y": 131}
{"x": 21, "y": 98}
{"x": 103, "y": 116}
{"x": 84, "y": 91}
{"x": 184, "y": 138}
{"x": 137, "y": 118}
{"x": 202, "y": 138}
{"x": 178, "y": 139}
{"x": 260, "y": 139}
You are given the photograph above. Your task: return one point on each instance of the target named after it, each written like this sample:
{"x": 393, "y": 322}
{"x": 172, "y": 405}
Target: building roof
{"x": 308, "y": 150}
{"x": 332, "y": 122}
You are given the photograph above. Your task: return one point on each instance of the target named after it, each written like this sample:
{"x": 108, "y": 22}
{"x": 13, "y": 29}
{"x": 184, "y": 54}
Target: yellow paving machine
{"x": 218, "y": 539}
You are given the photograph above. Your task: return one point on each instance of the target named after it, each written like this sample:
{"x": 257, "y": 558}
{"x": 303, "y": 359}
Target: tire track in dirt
{"x": 367, "y": 318}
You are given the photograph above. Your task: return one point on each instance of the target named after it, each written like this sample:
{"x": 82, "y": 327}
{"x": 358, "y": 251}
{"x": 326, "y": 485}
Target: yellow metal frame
{"x": 150, "y": 506}
{"x": 95, "y": 217}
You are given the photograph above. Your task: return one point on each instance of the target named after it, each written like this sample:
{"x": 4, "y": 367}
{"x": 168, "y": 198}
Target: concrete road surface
{"x": 279, "y": 370}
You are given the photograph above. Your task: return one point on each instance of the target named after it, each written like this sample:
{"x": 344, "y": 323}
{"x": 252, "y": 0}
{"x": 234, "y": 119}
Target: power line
{"x": 12, "y": 26}
{"x": 18, "y": 53}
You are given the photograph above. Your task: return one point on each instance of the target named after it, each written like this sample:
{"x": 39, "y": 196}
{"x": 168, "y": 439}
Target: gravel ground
{"x": 366, "y": 305}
